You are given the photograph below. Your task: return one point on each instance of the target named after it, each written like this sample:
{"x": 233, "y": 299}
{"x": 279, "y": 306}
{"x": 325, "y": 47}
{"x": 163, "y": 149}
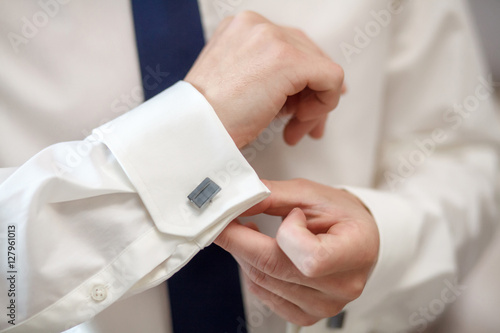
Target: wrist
{"x": 227, "y": 121}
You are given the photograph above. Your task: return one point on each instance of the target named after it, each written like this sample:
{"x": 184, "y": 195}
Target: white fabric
{"x": 407, "y": 67}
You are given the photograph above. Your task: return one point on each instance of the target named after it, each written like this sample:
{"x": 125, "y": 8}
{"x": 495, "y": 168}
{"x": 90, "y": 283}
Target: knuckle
{"x": 306, "y": 320}
{"x": 298, "y": 32}
{"x": 266, "y": 263}
{"x": 341, "y": 73}
{"x": 312, "y": 265}
{"x": 226, "y": 20}
{"x": 285, "y": 52}
{"x": 356, "y": 287}
{"x": 249, "y": 16}
{"x": 256, "y": 276}
{"x": 327, "y": 309}
{"x": 253, "y": 287}
{"x": 266, "y": 29}
{"x": 337, "y": 72}
{"x": 311, "y": 268}
{"x": 273, "y": 38}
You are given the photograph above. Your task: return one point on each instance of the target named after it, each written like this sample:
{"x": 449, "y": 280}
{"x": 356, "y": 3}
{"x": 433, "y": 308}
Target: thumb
{"x": 299, "y": 243}
{"x": 344, "y": 247}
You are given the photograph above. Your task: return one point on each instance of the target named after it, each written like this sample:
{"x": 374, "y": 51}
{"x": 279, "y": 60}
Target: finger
{"x": 322, "y": 204}
{"x": 295, "y": 130}
{"x": 254, "y": 247}
{"x": 230, "y": 237}
{"x": 262, "y": 252}
{"x": 285, "y": 196}
{"x": 317, "y": 97}
{"x": 318, "y": 131}
{"x": 341, "y": 287}
{"x": 294, "y": 242}
{"x": 250, "y": 18}
{"x": 301, "y": 40}
{"x": 315, "y": 105}
{"x": 283, "y": 308}
{"x": 344, "y": 89}
{"x": 310, "y": 300}
{"x": 252, "y": 226}
{"x": 300, "y": 245}
{"x": 289, "y": 109}
{"x": 325, "y": 80}
{"x": 343, "y": 248}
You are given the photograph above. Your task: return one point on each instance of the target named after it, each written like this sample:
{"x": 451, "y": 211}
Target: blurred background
{"x": 478, "y": 309}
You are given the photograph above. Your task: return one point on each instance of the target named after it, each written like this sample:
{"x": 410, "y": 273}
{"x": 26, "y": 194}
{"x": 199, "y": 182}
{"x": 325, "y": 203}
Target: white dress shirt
{"x": 97, "y": 194}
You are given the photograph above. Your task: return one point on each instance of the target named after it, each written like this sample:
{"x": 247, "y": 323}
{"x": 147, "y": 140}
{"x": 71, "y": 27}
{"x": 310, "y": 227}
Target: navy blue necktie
{"x": 205, "y": 295}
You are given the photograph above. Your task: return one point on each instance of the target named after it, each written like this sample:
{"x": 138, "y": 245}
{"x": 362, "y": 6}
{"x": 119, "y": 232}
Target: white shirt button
{"x": 99, "y": 293}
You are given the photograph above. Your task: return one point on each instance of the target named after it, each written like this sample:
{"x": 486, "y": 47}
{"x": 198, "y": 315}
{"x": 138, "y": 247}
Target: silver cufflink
{"x": 204, "y": 192}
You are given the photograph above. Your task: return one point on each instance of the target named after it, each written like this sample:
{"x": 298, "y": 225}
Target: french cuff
{"x": 167, "y": 147}
{"x": 398, "y": 230}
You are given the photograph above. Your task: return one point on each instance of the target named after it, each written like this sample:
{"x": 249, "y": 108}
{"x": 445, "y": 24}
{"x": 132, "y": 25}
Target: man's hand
{"x": 251, "y": 69}
{"x": 322, "y": 255}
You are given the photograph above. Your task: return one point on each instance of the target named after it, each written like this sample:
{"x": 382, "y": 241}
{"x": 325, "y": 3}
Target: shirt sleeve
{"x": 94, "y": 220}
{"x": 434, "y": 201}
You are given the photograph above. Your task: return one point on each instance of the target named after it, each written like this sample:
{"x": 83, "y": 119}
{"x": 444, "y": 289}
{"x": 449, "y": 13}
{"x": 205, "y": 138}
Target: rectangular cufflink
{"x": 204, "y": 192}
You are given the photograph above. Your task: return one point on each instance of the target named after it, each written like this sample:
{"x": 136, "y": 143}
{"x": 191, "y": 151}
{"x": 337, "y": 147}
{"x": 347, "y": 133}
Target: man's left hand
{"x": 321, "y": 257}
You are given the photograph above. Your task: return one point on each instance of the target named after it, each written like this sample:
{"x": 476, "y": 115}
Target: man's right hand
{"x": 251, "y": 69}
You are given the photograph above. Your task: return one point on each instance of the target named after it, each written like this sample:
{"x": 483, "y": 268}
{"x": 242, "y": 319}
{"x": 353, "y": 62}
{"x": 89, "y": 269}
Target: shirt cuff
{"x": 167, "y": 147}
